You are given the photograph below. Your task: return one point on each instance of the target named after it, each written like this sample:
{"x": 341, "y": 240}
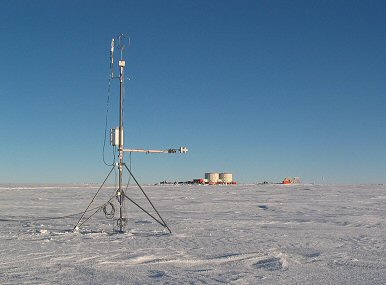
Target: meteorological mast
{"x": 116, "y": 140}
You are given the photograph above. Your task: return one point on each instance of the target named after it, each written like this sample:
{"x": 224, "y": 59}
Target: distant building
{"x": 213, "y": 178}
{"x": 291, "y": 180}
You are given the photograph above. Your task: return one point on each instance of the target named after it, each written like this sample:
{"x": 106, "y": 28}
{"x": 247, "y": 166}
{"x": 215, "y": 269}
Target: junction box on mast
{"x": 115, "y": 137}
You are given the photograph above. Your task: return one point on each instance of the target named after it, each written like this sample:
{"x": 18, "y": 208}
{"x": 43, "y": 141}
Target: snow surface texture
{"x": 246, "y": 234}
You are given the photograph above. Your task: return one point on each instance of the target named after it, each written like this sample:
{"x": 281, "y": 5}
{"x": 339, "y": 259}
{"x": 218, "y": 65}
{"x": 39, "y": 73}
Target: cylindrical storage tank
{"x": 212, "y": 177}
{"x": 226, "y": 177}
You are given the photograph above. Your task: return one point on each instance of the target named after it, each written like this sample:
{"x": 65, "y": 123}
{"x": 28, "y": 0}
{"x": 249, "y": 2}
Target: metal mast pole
{"x": 120, "y": 149}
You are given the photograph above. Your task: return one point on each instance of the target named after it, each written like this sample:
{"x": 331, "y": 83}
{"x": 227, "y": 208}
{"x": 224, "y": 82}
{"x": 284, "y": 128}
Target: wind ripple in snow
{"x": 246, "y": 234}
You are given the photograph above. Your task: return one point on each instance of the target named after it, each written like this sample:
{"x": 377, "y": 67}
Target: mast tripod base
{"x": 120, "y": 222}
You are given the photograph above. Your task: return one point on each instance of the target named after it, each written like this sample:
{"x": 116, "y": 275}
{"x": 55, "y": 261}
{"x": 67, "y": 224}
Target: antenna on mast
{"x": 117, "y": 140}
{"x": 112, "y": 58}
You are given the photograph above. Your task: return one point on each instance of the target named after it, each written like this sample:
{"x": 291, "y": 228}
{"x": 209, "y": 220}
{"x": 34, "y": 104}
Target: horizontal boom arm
{"x": 171, "y": 150}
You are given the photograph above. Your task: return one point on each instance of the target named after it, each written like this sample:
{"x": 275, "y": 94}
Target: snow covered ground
{"x": 245, "y": 234}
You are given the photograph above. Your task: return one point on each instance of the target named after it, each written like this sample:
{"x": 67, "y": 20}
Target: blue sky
{"x": 262, "y": 89}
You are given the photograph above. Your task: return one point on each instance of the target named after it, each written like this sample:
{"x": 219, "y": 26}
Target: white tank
{"x": 212, "y": 177}
{"x": 226, "y": 177}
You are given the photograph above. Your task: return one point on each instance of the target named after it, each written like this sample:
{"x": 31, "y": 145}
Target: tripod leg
{"x": 136, "y": 204}
{"x": 92, "y": 200}
{"x": 163, "y": 222}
